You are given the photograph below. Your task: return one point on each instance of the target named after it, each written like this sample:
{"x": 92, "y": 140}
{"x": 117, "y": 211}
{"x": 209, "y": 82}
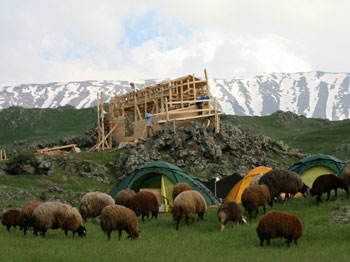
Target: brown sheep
{"x": 283, "y": 181}
{"x": 27, "y": 214}
{"x": 92, "y": 204}
{"x": 255, "y": 196}
{"x": 276, "y": 224}
{"x": 116, "y": 217}
{"x": 142, "y": 203}
{"x": 54, "y": 215}
{"x": 346, "y": 180}
{"x": 123, "y": 197}
{"x": 324, "y": 184}
{"x": 230, "y": 211}
{"x": 187, "y": 204}
{"x": 11, "y": 218}
{"x": 180, "y": 187}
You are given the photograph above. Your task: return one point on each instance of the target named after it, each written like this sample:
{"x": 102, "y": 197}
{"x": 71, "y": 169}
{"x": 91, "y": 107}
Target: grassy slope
{"x": 201, "y": 241}
{"x": 313, "y": 136}
{"x": 44, "y": 124}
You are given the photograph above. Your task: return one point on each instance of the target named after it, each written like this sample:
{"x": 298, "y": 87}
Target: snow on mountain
{"x": 312, "y": 94}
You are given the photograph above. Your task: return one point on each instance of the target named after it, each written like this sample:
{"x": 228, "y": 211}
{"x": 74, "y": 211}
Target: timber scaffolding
{"x": 173, "y": 101}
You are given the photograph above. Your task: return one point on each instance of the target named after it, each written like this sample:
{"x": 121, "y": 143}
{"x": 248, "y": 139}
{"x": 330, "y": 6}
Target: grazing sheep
{"x": 54, "y": 215}
{"x": 324, "y": 184}
{"x": 279, "y": 224}
{"x": 230, "y": 211}
{"x": 187, "y": 204}
{"x": 255, "y": 196}
{"x": 27, "y": 214}
{"x": 346, "y": 179}
{"x": 117, "y": 217}
{"x": 11, "y": 218}
{"x": 142, "y": 203}
{"x": 283, "y": 181}
{"x": 92, "y": 204}
{"x": 180, "y": 187}
{"x": 124, "y": 196}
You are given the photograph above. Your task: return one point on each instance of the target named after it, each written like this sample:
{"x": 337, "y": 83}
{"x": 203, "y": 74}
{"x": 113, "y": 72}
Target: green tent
{"x": 159, "y": 178}
{"x": 309, "y": 168}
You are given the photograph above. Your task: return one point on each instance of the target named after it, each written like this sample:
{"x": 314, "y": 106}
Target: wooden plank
{"x": 56, "y": 147}
{"x": 189, "y": 118}
{"x": 166, "y": 108}
{"x": 102, "y": 122}
{"x": 1, "y": 157}
{"x": 207, "y": 82}
{"x": 216, "y": 116}
{"x": 98, "y": 118}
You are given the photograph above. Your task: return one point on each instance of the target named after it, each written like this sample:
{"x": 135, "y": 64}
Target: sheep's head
{"x": 81, "y": 231}
{"x": 305, "y": 190}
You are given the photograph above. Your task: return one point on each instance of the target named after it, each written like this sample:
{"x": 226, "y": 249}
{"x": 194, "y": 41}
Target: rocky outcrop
{"x": 201, "y": 151}
{"x": 27, "y": 163}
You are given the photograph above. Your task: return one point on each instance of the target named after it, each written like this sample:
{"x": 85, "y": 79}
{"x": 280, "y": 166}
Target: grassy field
{"x": 202, "y": 241}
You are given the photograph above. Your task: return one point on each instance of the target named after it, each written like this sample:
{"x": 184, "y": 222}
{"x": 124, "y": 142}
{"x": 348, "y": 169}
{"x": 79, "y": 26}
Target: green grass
{"x": 201, "y": 241}
{"x": 44, "y": 124}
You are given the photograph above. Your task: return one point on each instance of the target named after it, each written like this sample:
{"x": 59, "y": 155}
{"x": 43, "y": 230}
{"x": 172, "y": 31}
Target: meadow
{"x": 201, "y": 241}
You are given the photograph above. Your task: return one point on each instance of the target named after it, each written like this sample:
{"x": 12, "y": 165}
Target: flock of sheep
{"x": 121, "y": 213}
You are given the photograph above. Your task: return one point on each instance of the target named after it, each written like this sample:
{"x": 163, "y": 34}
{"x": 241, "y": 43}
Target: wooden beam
{"x": 166, "y": 108}
{"x": 102, "y": 122}
{"x": 98, "y": 118}
{"x": 102, "y": 142}
{"x": 189, "y": 118}
{"x": 207, "y": 81}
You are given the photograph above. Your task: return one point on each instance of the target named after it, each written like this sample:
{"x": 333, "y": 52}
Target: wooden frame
{"x": 174, "y": 101}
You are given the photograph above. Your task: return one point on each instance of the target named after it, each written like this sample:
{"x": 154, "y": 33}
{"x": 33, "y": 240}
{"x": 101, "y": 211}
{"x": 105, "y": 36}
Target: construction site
{"x": 177, "y": 101}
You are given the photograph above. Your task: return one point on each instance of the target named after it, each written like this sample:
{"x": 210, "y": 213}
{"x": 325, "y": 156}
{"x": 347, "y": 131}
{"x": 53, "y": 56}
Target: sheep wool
{"x": 54, "y": 215}
{"x": 27, "y": 214}
{"x": 92, "y": 204}
{"x": 255, "y": 196}
{"x": 123, "y": 197}
{"x": 324, "y": 184}
{"x": 230, "y": 211}
{"x": 180, "y": 187}
{"x": 283, "y": 181}
{"x": 143, "y": 203}
{"x": 275, "y": 224}
{"x": 187, "y": 204}
{"x": 117, "y": 217}
{"x": 11, "y": 218}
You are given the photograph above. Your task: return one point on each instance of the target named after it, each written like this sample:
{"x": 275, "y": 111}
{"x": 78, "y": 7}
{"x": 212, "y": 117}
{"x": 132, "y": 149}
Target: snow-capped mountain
{"x": 312, "y": 94}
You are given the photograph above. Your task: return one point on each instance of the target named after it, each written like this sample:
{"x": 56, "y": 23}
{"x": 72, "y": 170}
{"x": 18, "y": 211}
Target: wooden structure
{"x": 176, "y": 101}
{"x": 2, "y": 154}
{"x": 53, "y": 151}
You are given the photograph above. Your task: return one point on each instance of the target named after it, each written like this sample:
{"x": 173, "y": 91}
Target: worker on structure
{"x": 132, "y": 84}
{"x": 200, "y": 104}
{"x": 149, "y": 122}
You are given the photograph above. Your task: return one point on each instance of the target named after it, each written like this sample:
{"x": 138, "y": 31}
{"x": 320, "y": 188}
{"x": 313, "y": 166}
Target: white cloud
{"x": 63, "y": 40}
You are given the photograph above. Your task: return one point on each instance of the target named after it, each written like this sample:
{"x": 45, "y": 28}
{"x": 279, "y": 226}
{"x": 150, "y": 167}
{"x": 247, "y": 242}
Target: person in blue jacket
{"x": 149, "y": 122}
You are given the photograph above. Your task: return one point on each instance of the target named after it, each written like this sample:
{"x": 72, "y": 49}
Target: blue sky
{"x": 71, "y": 40}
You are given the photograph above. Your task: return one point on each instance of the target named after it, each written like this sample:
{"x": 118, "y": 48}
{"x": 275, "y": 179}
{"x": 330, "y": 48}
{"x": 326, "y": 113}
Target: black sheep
{"x": 324, "y": 184}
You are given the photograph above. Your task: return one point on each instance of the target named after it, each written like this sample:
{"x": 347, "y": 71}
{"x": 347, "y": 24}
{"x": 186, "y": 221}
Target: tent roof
{"x": 315, "y": 160}
{"x": 236, "y": 192}
{"x": 174, "y": 173}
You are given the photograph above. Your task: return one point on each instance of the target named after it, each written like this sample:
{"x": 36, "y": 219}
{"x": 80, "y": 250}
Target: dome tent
{"x": 309, "y": 168}
{"x": 236, "y": 192}
{"x": 160, "y": 178}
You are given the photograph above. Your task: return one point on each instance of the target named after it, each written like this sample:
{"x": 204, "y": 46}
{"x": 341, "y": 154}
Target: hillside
{"x": 310, "y": 135}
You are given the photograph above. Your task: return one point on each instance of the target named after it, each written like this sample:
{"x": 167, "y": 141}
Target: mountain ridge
{"x": 312, "y": 94}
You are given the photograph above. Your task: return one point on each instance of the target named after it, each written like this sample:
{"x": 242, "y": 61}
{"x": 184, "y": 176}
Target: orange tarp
{"x": 236, "y": 192}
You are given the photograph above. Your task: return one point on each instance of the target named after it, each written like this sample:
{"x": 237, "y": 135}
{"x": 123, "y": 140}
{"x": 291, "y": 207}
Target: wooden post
{"x": 1, "y": 154}
{"x": 102, "y": 121}
{"x": 98, "y": 119}
{"x": 206, "y": 79}
{"x": 135, "y": 110}
{"x": 5, "y": 158}
{"x": 166, "y": 108}
{"x": 182, "y": 94}
{"x": 111, "y": 116}
{"x": 194, "y": 88}
{"x": 217, "y": 117}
